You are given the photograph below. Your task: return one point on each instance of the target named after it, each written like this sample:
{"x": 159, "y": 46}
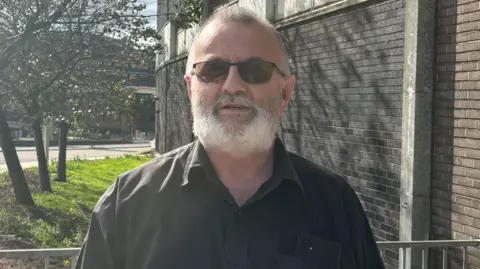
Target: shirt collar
{"x": 283, "y": 167}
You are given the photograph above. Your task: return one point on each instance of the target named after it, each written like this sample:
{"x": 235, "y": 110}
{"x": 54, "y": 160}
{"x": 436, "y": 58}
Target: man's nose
{"x": 233, "y": 83}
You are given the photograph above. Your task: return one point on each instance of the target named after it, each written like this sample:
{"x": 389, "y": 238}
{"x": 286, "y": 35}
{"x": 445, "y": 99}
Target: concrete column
{"x": 416, "y": 125}
{"x": 171, "y": 40}
{"x": 162, "y": 13}
{"x": 266, "y": 8}
{"x": 206, "y": 11}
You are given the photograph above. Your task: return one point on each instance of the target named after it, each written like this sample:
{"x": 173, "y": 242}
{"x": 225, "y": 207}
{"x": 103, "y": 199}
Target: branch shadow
{"x": 346, "y": 110}
{"x": 178, "y": 121}
{"x": 448, "y": 200}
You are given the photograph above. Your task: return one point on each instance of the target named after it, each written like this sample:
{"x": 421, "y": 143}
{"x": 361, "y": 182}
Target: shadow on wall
{"x": 179, "y": 119}
{"x": 445, "y": 184}
{"x": 347, "y": 105}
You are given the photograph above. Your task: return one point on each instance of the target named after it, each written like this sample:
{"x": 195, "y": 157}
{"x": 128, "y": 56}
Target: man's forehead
{"x": 235, "y": 40}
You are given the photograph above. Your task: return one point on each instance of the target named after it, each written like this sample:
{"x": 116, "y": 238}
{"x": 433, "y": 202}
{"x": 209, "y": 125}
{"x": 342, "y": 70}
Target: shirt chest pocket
{"x": 311, "y": 252}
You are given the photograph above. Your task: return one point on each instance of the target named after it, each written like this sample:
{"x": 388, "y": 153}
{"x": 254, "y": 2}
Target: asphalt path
{"x": 28, "y": 156}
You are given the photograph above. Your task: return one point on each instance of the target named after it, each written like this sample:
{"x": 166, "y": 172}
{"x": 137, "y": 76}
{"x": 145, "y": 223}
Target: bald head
{"x": 243, "y": 16}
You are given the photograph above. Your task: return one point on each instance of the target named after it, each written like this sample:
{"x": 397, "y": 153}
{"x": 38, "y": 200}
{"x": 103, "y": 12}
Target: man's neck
{"x": 242, "y": 176}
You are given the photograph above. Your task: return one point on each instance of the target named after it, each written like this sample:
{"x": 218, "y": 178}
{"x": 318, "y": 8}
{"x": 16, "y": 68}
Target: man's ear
{"x": 287, "y": 92}
{"x": 188, "y": 81}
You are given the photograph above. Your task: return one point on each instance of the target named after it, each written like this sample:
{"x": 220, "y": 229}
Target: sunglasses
{"x": 251, "y": 71}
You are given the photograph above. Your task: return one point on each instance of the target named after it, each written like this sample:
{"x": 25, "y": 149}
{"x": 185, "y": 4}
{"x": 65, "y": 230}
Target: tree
{"x": 15, "y": 34}
{"x": 189, "y": 13}
{"x": 88, "y": 96}
{"x": 17, "y": 177}
{"x": 39, "y": 70}
{"x": 53, "y": 54}
{"x": 53, "y": 40}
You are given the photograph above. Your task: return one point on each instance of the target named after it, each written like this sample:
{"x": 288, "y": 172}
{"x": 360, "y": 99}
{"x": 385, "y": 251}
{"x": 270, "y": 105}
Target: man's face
{"x": 241, "y": 108}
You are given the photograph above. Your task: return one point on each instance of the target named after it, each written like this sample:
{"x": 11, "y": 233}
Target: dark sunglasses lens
{"x": 212, "y": 71}
{"x": 255, "y": 71}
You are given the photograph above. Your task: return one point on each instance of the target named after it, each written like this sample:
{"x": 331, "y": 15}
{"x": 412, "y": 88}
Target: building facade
{"x": 387, "y": 94}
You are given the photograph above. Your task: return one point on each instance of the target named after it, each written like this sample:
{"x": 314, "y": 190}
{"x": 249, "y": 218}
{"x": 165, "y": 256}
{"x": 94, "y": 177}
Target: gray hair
{"x": 244, "y": 16}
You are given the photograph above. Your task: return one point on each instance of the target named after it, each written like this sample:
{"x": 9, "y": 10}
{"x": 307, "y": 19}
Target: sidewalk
{"x": 106, "y": 146}
{"x": 4, "y": 168}
{"x": 28, "y": 156}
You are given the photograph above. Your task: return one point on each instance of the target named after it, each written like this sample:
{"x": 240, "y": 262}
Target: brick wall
{"x": 347, "y": 106}
{"x": 456, "y": 121}
{"x": 174, "y": 122}
{"x": 346, "y": 111}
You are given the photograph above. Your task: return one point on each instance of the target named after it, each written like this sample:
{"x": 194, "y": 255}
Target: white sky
{"x": 151, "y": 10}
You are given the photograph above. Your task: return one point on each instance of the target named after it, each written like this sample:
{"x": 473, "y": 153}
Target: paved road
{"x": 28, "y": 155}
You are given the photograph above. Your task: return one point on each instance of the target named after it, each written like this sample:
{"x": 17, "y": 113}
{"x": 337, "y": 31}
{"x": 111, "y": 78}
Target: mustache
{"x": 236, "y": 98}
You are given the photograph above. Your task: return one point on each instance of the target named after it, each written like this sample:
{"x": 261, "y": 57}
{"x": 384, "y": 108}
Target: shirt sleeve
{"x": 367, "y": 254}
{"x": 98, "y": 248}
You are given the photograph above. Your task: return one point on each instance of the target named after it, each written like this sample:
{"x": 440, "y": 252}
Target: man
{"x": 234, "y": 198}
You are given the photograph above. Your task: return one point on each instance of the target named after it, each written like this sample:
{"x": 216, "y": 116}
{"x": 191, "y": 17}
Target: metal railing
{"x": 424, "y": 246}
{"x": 22, "y": 254}
{"x": 46, "y": 253}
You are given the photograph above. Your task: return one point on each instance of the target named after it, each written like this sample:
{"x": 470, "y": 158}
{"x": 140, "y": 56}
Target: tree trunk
{"x": 62, "y": 153}
{"x": 42, "y": 159}
{"x": 17, "y": 177}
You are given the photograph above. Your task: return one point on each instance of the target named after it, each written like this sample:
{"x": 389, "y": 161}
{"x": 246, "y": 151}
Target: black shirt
{"x": 174, "y": 213}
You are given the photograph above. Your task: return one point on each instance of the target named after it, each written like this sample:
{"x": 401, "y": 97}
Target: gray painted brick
{"x": 345, "y": 113}
{"x": 346, "y": 110}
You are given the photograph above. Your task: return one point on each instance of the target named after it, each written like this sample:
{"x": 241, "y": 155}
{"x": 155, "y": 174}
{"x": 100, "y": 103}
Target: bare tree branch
{"x": 59, "y": 75}
{"x": 2, "y": 95}
{"x": 30, "y": 28}
{"x": 53, "y": 18}
{"x": 11, "y": 50}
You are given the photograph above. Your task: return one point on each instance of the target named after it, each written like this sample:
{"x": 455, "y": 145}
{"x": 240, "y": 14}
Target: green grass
{"x": 61, "y": 218}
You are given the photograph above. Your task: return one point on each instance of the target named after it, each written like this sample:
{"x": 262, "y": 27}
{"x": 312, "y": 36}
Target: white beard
{"x": 257, "y": 136}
